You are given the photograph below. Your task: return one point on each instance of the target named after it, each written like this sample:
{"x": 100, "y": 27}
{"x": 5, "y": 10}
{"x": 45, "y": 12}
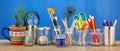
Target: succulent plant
{"x": 19, "y": 16}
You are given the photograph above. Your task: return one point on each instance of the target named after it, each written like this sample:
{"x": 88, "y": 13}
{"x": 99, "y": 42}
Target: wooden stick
{"x": 82, "y": 37}
{"x": 65, "y": 25}
{"x": 72, "y": 26}
{"x": 71, "y": 30}
{"x": 51, "y": 13}
{"x": 67, "y": 30}
{"x": 84, "y": 29}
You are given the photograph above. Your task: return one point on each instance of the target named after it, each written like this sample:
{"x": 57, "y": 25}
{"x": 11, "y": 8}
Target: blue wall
{"x": 101, "y": 9}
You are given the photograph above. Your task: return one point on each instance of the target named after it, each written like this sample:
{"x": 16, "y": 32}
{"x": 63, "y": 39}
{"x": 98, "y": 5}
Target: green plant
{"x": 19, "y": 16}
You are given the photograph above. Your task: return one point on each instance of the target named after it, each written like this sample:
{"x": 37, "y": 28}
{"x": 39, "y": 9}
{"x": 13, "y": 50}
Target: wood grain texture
{"x": 5, "y": 46}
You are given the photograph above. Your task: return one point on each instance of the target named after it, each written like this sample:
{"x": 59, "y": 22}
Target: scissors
{"x": 81, "y": 19}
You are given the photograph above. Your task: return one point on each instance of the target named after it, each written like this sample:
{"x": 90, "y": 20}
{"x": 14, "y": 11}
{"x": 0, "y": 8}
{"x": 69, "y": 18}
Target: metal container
{"x": 109, "y": 35}
{"x": 112, "y": 35}
{"x": 106, "y": 35}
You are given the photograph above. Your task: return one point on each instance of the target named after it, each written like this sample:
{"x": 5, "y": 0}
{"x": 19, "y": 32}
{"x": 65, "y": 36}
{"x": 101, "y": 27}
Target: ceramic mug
{"x": 17, "y": 34}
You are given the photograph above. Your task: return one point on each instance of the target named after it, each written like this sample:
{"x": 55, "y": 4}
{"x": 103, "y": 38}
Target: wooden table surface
{"x": 5, "y": 46}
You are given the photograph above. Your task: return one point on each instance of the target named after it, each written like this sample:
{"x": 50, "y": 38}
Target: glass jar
{"x": 95, "y": 38}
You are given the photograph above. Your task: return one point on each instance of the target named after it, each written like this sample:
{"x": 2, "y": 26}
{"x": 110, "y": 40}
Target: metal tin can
{"x": 109, "y": 35}
{"x": 106, "y": 35}
{"x": 112, "y": 35}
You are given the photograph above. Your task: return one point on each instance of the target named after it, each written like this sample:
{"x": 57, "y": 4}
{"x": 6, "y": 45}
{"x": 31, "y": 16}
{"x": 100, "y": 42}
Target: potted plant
{"x": 18, "y": 30}
{"x": 19, "y": 18}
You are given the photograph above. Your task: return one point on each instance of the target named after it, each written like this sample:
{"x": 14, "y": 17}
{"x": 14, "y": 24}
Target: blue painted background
{"x": 101, "y": 9}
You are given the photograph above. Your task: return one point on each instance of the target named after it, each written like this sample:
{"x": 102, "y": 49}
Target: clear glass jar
{"x": 95, "y": 38}
{"x": 48, "y": 33}
{"x": 79, "y": 38}
{"x": 42, "y": 38}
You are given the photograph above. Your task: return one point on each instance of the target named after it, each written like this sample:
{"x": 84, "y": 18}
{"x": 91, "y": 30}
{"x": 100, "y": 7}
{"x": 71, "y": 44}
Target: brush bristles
{"x": 50, "y": 10}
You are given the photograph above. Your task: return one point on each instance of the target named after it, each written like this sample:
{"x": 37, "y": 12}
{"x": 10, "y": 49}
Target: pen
{"x": 111, "y": 24}
{"x": 105, "y": 23}
{"x": 115, "y": 22}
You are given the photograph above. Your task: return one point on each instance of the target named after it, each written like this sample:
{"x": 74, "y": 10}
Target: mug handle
{"x": 4, "y": 34}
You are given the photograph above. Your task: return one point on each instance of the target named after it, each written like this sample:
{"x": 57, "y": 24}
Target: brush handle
{"x": 65, "y": 24}
{"x": 82, "y": 37}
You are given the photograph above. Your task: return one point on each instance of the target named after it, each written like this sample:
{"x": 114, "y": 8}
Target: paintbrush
{"x": 53, "y": 18}
{"x": 69, "y": 12}
{"x": 65, "y": 24}
{"x": 84, "y": 30}
{"x": 69, "y": 31}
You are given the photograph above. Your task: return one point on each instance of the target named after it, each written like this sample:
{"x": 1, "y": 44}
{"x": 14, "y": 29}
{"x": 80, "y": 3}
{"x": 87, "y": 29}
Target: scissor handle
{"x": 78, "y": 22}
{"x": 76, "y": 17}
{"x": 77, "y": 25}
{"x": 83, "y": 15}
